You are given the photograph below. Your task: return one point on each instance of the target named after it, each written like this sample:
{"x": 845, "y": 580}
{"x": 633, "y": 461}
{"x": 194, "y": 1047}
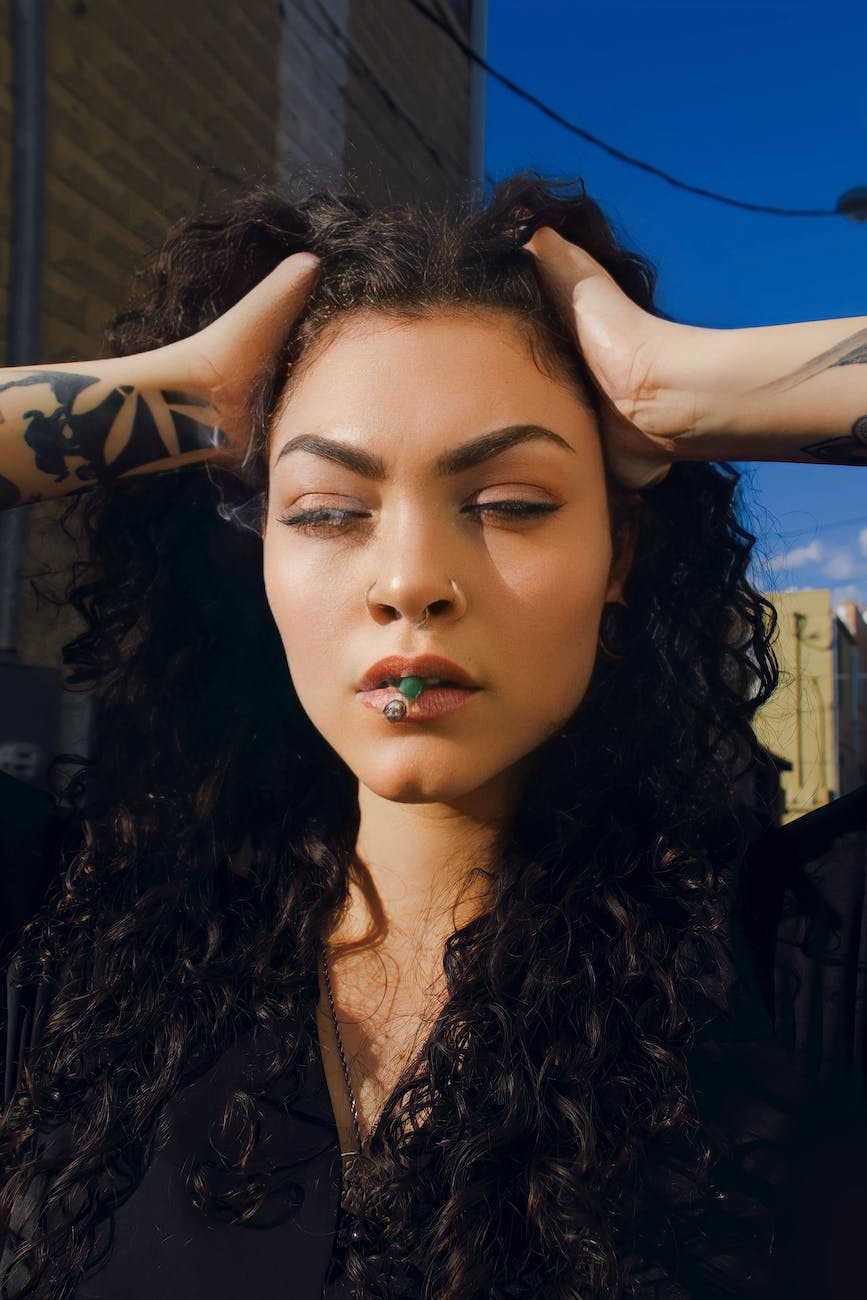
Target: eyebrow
{"x": 456, "y": 461}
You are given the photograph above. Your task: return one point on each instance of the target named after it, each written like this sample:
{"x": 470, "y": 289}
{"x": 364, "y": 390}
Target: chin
{"x": 402, "y": 777}
{"x": 422, "y": 787}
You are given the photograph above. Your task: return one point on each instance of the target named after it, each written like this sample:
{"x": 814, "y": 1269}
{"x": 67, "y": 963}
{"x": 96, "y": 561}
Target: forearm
{"x": 64, "y": 427}
{"x": 786, "y": 393}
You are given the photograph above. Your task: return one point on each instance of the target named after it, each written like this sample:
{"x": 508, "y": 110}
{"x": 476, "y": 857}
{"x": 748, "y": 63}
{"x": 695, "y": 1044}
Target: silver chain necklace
{"x": 349, "y": 1157}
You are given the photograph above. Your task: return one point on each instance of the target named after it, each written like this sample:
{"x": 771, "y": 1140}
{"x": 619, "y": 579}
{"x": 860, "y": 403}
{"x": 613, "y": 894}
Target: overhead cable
{"x": 608, "y": 148}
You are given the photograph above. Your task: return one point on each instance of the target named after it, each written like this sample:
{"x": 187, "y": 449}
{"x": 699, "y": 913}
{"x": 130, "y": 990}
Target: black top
{"x": 791, "y": 1094}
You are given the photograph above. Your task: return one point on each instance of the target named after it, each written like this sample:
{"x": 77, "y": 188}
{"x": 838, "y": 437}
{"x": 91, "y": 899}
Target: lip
{"x": 430, "y": 704}
{"x": 418, "y": 666}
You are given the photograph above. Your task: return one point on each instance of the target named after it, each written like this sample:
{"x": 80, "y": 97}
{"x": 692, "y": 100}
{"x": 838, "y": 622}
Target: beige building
{"x": 852, "y": 678}
{"x": 119, "y": 116}
{"x": 817, "y": 717}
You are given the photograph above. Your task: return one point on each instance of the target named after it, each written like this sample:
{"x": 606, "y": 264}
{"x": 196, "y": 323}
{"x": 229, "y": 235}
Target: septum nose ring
{"x": 410, "y": 687}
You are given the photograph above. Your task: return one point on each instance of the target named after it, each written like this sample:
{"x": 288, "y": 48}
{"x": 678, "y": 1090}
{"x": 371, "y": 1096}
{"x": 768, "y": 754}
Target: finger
{"x": 562, "y": 259}
{"x": 569, "y": 270}
{"x": 580, "y": 284}
{"x": 263, "y": 316}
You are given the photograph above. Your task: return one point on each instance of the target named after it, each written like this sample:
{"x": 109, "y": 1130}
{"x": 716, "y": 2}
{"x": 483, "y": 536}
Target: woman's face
{"x": 525, "y": 618}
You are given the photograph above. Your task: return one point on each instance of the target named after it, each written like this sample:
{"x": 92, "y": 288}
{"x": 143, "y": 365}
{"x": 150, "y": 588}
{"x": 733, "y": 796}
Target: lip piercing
{"x": 411, "y": 687}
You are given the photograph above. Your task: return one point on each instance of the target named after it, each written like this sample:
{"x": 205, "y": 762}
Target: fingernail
{"x": 306, "y": 261}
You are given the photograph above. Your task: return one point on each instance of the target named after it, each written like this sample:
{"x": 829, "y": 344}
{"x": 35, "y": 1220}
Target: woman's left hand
{"x": 650, "y": 372}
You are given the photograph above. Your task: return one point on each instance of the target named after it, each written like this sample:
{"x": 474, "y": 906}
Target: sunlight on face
{"x": 531, "y": 590}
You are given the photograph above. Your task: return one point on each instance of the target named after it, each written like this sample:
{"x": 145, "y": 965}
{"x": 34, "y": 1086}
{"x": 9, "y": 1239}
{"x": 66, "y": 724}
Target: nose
{"x": 408, "y": 603}
{"x": 410, "y": 574}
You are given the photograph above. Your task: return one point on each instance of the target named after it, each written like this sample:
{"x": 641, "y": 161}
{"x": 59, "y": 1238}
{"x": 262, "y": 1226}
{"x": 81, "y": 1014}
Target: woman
{"x": 457, "y": 956}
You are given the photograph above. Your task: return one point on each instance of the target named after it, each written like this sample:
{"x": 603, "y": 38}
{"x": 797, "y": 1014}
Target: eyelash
{"x": 314, "y": 520}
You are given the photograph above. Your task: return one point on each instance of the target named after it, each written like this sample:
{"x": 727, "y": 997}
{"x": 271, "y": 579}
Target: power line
{"x": 823, "y": 528}
{"x": 610, "y": 149}
{"x": 769, "y": 536}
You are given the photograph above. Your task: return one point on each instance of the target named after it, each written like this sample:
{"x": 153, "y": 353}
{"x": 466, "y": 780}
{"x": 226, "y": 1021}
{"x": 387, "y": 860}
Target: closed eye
{"x": 330, "y": 518}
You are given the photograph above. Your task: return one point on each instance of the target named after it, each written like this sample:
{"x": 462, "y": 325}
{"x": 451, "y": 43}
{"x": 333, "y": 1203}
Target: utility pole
{"x": 797, "y": 623}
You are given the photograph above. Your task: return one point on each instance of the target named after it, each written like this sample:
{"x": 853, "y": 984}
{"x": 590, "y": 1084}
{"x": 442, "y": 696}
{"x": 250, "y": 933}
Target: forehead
{"x": 386, "y": 378}
{"x": 443, "y": 333}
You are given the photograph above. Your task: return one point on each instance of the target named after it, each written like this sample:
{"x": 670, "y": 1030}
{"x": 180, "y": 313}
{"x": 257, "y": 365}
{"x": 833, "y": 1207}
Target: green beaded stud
{"x": 411, "y": 687}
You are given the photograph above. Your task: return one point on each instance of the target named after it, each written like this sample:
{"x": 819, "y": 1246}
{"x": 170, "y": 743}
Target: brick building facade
{"x": 116, "y": 119}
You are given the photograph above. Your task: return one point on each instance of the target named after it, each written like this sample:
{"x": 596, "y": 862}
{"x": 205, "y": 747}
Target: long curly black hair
{"x": 521, "y": 1154}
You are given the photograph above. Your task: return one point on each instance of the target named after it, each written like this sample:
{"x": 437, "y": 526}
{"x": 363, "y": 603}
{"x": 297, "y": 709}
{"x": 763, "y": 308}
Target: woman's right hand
{"x": 220, "y": 362}
{"x": 75, "y": 423}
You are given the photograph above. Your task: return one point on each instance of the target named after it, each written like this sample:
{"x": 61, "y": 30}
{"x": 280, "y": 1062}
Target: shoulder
{"x": 782, "y": 1080}
{"x": 800, "y": 909}
{"x": 796, "y": 930}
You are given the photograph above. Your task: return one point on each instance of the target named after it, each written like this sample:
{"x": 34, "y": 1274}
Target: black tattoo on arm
{"x": 56, "y": 432}
{"x": 848, "y": 449}
{"x": 849, "y": 352}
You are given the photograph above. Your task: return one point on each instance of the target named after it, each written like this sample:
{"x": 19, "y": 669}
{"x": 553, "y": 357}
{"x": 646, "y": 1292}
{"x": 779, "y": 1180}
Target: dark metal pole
{"x": 27, "y": 41}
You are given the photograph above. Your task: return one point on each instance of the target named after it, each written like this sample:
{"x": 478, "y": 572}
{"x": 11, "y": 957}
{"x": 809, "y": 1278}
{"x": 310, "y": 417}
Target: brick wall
{"x": 150, "y": 109}
{"x": 142, "y": 102}
{"x": 153, "y": 108}
{"x": 5, "y": 163}
{"x": 312, "y": 72}
{"x": 419, "y": 146}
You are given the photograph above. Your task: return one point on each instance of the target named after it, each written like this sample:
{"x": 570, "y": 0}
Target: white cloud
{"x": 840, "y": 565}
{"x": 800, "y": 555}
{"x": 850, "y": 592}
{"x": 862, "y": 541}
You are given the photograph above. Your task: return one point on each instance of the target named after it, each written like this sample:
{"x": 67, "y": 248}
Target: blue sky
{"x": 761, "y": 100}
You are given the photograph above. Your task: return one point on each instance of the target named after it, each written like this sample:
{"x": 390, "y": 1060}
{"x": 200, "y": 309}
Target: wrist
{"x": 120, "y": 416}
{"x": 773, "y": 392}
{"x": 705, "y": 399}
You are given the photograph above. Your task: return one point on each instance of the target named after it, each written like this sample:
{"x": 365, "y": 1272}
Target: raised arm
{"x": 683, "y": 392}
{"x": 787, "y": 392}
{"x": 64, "y": 427}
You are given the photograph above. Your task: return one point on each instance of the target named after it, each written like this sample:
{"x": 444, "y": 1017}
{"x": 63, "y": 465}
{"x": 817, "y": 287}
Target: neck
{"x": 415, "y": 878}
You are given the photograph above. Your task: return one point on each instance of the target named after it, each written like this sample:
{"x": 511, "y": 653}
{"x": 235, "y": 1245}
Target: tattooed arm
{"x": 786, "y": 392}
{"x": 64, "y": 427}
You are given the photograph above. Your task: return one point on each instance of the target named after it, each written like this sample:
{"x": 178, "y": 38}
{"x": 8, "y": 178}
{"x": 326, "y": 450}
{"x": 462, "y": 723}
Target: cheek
{"x": 560, "y": 619}
{"x": 301, "y": 605}
{"x": 568, "y": 589}
{"x": 304, "y": 616}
